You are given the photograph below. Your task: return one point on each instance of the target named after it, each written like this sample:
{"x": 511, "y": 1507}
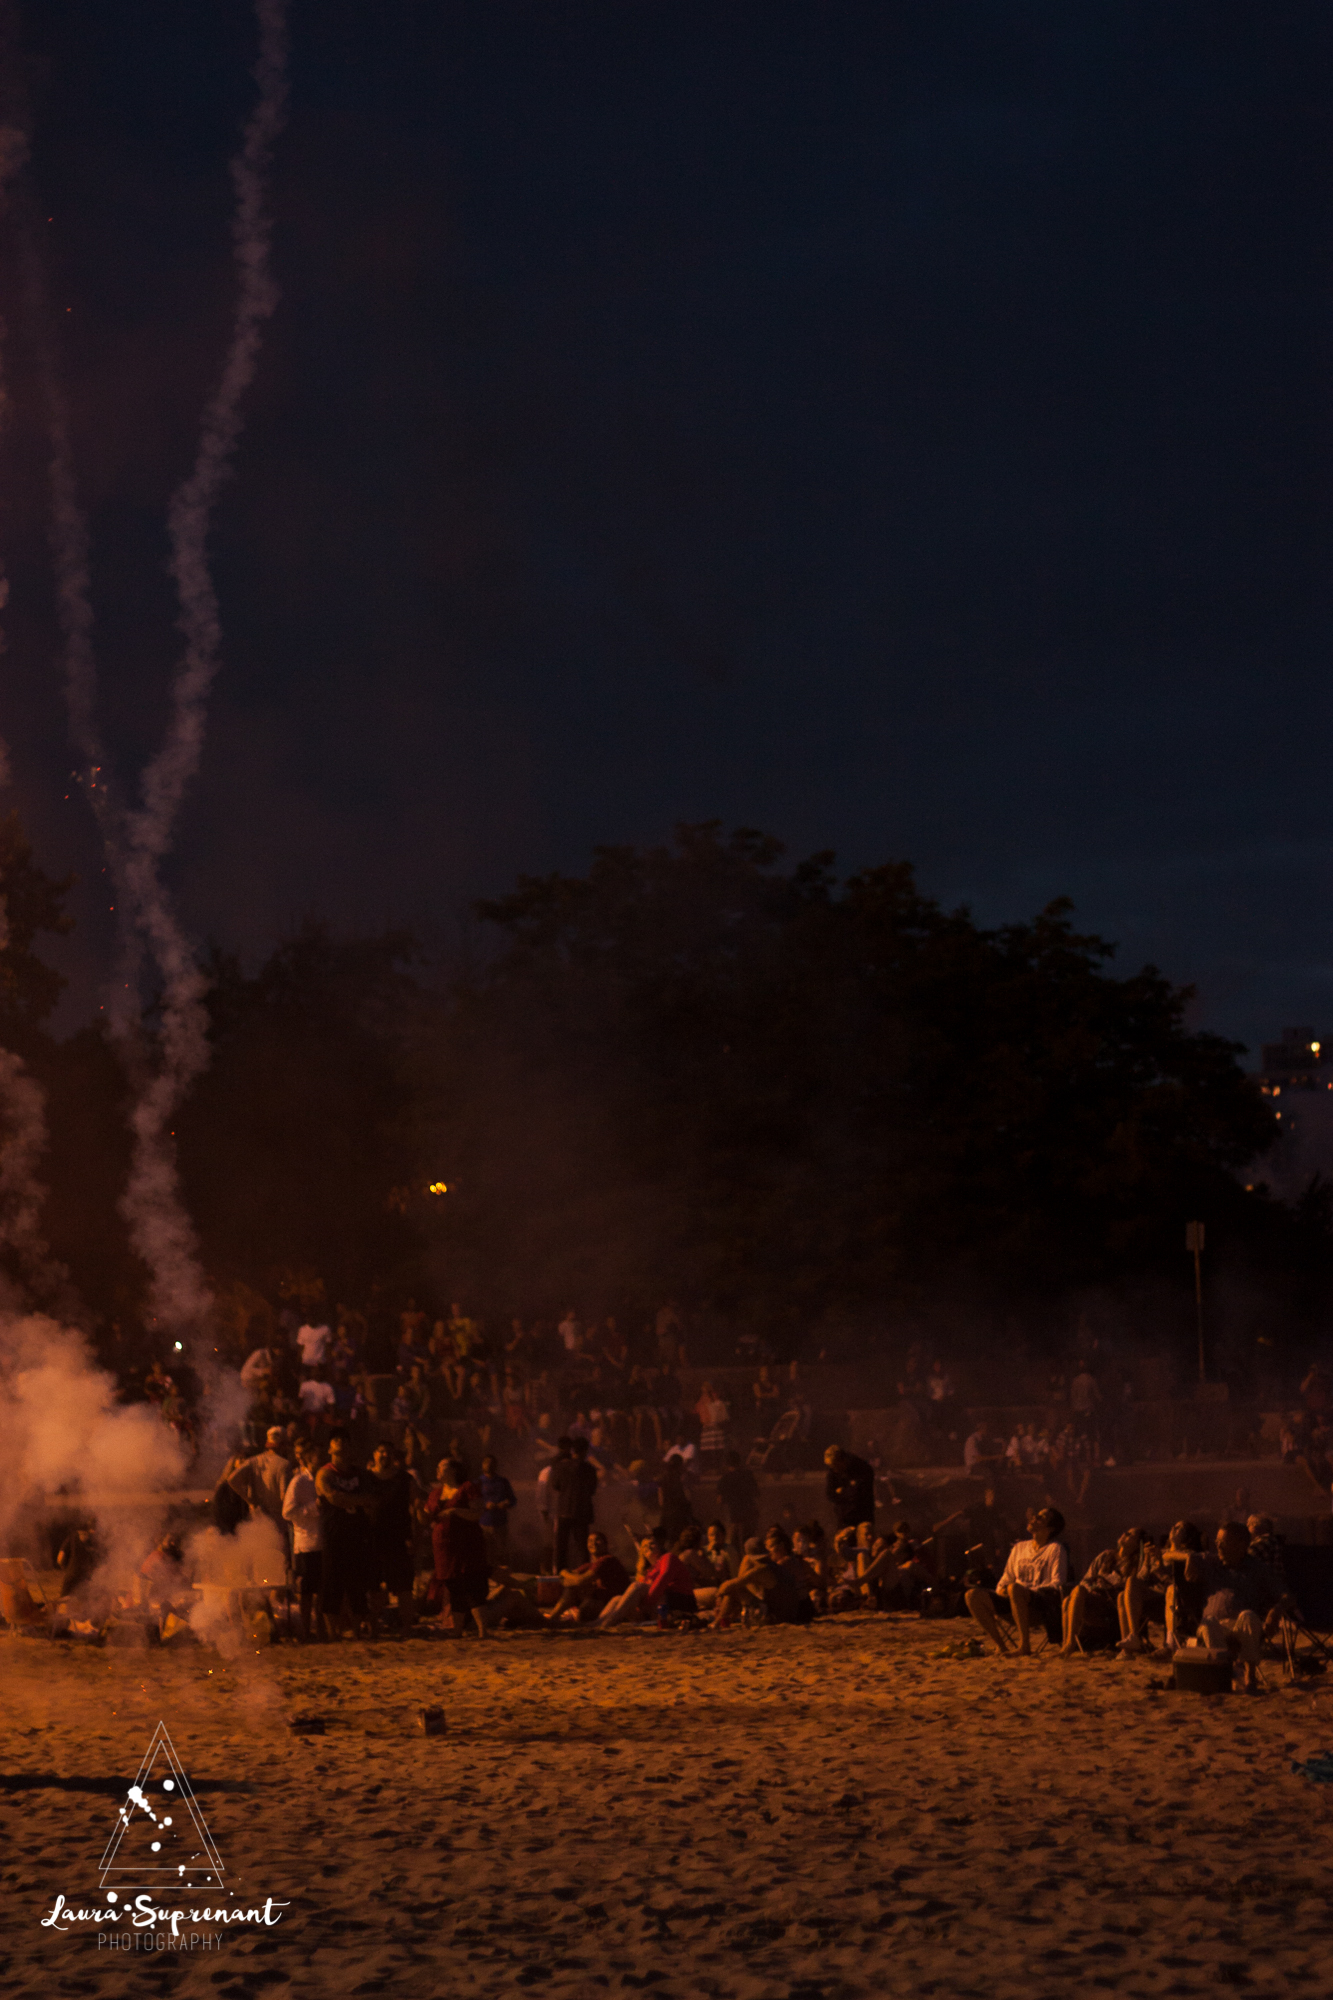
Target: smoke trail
{"x": 192, "y": 505}
{"x": 22, "y": 1104}
{"x": 159, "y": 1227}
{"x": 138, "y": 838}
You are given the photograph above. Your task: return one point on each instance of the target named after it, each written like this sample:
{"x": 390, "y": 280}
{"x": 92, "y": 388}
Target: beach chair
{"x": 24, "y": 1605}
{"x": 771, "y": 1454}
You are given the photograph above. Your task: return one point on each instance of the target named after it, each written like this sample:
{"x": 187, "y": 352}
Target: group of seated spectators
{"x": 1230, "y": 1598}
{"x": 371, "y": 1535}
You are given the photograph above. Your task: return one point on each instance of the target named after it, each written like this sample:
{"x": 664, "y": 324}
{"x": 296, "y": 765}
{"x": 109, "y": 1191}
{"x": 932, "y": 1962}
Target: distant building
{"x": 1295, "y": 1063}
{"x": 1297, "y": 1073}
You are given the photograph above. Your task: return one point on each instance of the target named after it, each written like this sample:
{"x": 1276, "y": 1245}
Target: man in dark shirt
{"x": 591, "y": 1586}
{"x": 1243, "y": 1598}
{"x": 393, "y": 1488}
{"x": 574, "y": 1490}
{"x": 498, "y": 1500}
{"x": 738, "y": 1497}
{"x": 850, "y": 1487}
{"x": 346, "y": 1505}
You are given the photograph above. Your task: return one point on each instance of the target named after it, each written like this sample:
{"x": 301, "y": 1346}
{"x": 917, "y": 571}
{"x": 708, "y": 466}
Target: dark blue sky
{"x": 901, "y": 427}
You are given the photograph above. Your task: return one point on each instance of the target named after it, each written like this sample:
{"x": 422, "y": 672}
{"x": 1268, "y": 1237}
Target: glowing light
{"x": 1314, "y": 1048}
{"x": 180, "y": 1347}
{"x": 438, "y": 1187}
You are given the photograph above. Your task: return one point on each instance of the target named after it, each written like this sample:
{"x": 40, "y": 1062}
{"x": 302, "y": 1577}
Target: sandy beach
{"x": 774, "y": 1813}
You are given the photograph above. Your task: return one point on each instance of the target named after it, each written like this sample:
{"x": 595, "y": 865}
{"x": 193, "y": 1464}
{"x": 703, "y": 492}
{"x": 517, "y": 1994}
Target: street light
{"x": 1194, "y": 1243}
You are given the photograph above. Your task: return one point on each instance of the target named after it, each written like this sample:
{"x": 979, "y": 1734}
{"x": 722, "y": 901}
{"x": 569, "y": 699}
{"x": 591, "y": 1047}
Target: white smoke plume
{"x": 192, "y": 505}
{"x": 159, "y": 1227}
{"x": 253, "y": 1558}
{"x": 139, "y": 837}
{"x": 65, "y": 1432}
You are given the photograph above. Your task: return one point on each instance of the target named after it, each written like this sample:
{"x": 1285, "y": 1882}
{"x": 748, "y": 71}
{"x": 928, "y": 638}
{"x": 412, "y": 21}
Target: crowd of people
{"x": 374, "y": 1443}
{"x": 453, "y": 1384}
{"x": 372, "y": 1545}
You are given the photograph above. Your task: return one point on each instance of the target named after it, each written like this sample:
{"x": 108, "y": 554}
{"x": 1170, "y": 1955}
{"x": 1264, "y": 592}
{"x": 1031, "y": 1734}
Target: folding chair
{"x": 24, "y": 1605}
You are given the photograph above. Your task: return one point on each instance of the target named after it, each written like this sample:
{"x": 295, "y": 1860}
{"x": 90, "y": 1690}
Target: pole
{"x": 1194, "y": 1243}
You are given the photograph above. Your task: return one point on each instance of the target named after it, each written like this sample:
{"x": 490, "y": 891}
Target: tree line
{"x": 696, "y": 1071}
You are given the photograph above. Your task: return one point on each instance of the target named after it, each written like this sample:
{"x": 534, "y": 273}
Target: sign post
{"x": 1194, "y": 1243}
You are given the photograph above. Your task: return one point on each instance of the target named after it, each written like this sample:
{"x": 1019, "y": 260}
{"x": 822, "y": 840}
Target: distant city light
{"x": 180, "y": 1347}
{"x": 438, "y": 1187}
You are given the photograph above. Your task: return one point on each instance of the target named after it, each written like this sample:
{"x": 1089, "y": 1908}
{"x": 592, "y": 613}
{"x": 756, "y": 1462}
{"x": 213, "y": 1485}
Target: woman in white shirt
{"x": 300, "y": 1510}
{"x": 1035, "y": 1583}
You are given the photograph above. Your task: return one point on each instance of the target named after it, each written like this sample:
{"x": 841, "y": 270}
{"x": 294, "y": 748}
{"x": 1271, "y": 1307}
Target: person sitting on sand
{"x": 890, "y": 1575}
{"x": 663, "y": 1585}
{"x": 1266, "y": 1543}
{"x": 810, "y": 1546}
{"x": 772, "y": 1576}
{"x": 632, "y": 1602}
{"x": 507, "y": 1603}
{"x": 1094, "y": 1611}
{"x": 1184, "y": 1595}
{"x": 1148, "y": 1595}
{"x": 689, "y": 1546}
{"x": 717, "y": 1555}
{"x": 1035, "y": 1579}
{"x": 587, "y": 1590}
{"x": 1244, "y": 1600}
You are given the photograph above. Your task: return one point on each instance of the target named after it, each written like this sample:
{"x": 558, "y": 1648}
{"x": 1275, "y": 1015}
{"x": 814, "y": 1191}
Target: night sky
{"x": 905, "y": 428}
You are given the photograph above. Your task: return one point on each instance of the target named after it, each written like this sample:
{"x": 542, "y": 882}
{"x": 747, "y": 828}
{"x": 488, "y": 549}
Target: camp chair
{"x": 24, "y": 1605}
{"x": 770, "y": 1454}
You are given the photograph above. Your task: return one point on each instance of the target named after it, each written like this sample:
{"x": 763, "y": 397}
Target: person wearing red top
{"x": 662, "y": 1585}
{"x": 462, "y": 1563}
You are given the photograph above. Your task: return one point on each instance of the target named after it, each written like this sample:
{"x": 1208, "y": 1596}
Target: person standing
{"x": 1085, "y": 1400}
{"x": 738, "y": 1497}
{"x": 300, "y": 1510}
{"x": 498, "y": 1500}
{"x": 391, "y": 1529}
{"x": 677, "y": 1513}
{"x": 462, "y": 1565}
{"x": 346, "y": 1503}
{"x": 850, "y": 1488}
{"x": 262, "y": 1481}
{"x": 574, "y": 1490}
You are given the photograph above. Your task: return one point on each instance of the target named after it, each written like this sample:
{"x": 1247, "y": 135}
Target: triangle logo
{"x": 160, "y": 1839}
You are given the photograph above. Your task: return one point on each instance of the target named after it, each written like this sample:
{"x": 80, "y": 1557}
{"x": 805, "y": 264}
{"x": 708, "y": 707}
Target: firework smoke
{"x": 64, "y": 1429}
{"x": 159, "y": 1227}
{"x": 22, "y": 1105}
{"x": 138, "y": 838}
